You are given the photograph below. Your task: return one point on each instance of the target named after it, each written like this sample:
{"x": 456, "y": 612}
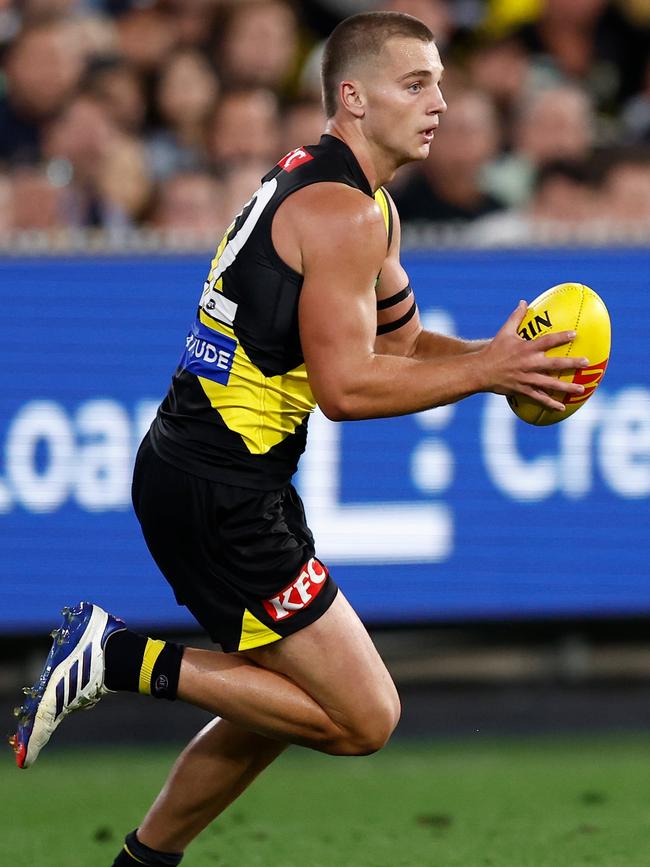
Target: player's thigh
{"x": 335, "y": 661}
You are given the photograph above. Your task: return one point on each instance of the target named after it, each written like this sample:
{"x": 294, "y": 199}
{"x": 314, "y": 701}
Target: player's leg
{"x": 324, "y": 687}
{"x": 93, "y": 653}
{"x": 243, "y": 562}
{"x": 229, "y": 554}
{"x": 333, "y": 661}
{"x": 211, "y": 772}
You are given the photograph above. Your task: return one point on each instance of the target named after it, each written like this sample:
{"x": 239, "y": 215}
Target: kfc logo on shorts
{"x": 299, "y": 593}
{"x": 295, "y": 158}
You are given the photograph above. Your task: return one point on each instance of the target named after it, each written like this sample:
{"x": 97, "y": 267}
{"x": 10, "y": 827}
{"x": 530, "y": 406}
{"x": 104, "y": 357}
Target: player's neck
{"x": 376, "y": 165}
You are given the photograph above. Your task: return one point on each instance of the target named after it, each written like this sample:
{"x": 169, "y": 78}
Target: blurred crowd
{"x": 164, "y": 114}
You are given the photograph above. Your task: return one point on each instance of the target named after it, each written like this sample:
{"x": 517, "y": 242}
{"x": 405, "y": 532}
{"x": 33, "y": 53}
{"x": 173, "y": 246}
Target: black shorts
{"x": 241, "y": 560}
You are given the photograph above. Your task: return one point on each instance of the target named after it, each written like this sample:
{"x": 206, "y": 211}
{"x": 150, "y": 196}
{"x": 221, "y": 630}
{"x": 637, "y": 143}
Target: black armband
{"x": 395, "y": 299}
{"x": 393, "y": 326}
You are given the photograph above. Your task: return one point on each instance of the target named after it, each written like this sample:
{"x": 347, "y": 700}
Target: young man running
{"x": 305, "y": 303}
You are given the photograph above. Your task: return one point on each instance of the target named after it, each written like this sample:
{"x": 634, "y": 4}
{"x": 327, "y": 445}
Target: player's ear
{"x": 353, "y": 98}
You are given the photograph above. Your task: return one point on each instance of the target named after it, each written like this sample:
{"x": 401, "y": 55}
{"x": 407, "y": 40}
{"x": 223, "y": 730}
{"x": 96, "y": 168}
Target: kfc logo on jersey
{"x": 299, "y": 593}
{"x": 295, "y": 158}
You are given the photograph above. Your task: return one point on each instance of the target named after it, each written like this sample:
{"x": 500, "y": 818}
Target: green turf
{"x": 527, "y": 803}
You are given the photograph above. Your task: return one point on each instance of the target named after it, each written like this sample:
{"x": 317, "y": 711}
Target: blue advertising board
{"x": 459, "y": 512}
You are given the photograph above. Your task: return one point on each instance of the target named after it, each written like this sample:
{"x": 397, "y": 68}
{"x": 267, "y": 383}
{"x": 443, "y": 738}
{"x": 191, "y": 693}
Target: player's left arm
{"x": 399, "y": 329}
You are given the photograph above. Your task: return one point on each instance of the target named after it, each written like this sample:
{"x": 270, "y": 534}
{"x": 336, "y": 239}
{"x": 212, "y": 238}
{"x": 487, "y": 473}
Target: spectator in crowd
{"x": 123, "y": 183}
{"x": 190, "y": 203}
{"x": 186, "y": 95}
{"x": 146, "y": 37}
{"x": 240, "y": 182}
{"x": 39, "y": 11}
{"x": 109, "y": 183}
{"x": 258, "y": 45}
{"x": 36, "y": 203}
{"x": 447, "y": 186}
{"x": 502, "y": 17}
{"x": 501, "y": 68}
{"x": 81, "y": 135}
{"x": 565, "y": 196}
{"x": 6, "y": 206}
{"x": 245, "y": 126}
{"x": 193, "y": 21}
{"x": 6, "y": 210}
{"x": 303, "y": 123}
{"x": 636, "y": 115}
{"x": 43, "y": 68}
{"x": 605, "y": 197}
{"x": 436, "y": 14}
{"x": 94, "y": 31}
{"x": 557, "y": 123}
{"x": 638, "y": 11}
{"x": 308, "y": 85}
{"x": 626, "y": 188}
{"x": 118, "y": 86}
{"x": 591, "y": 42}
{"x": 566, "y": 192}
{"x": 97, "y": 35}
{"x": 85, "y": 77}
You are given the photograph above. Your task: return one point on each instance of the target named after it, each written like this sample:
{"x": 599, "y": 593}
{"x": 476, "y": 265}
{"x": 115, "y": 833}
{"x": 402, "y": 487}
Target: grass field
{"x": 500, "y": 803}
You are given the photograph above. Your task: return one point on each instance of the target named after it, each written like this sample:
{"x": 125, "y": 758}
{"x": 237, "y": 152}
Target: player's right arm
{"x": 341, "y": 239}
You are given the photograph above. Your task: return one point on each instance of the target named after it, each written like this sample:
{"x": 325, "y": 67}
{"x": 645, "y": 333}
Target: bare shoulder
{"x": 329, "y": 199}
{"x": 329, "y": 219}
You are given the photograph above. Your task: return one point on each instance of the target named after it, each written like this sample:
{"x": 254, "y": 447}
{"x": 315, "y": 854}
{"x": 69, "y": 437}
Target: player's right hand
{"x": 514, "y": 365}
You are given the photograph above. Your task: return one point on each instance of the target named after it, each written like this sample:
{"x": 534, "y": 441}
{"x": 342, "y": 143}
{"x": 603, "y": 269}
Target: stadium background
{"x": 503, "y": 569}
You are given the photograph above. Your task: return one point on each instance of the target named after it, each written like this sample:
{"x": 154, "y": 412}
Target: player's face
{"x": 403, "y": 99}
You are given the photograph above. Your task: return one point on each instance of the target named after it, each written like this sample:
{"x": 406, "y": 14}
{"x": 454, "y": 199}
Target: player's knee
{"x": 373, "y": 732}
{"x": 378, "y": 730}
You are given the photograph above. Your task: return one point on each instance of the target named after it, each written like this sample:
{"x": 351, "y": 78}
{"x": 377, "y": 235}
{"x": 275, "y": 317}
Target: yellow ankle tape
{"x": 151, "y": 653}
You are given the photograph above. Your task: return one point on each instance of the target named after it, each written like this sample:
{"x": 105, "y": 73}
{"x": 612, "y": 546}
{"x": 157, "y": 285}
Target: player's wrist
{"x": 480, "y": 374}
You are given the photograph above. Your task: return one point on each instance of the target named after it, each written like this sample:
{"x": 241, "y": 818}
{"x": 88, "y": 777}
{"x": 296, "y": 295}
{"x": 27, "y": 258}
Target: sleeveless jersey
{"x": 237, "y": 408}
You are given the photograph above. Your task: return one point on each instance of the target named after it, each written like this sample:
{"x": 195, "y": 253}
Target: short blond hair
{"x": 358, "y": 38}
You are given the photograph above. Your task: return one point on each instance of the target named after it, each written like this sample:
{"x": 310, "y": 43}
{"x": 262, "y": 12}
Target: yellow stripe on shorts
{"x": 254, "y": 633}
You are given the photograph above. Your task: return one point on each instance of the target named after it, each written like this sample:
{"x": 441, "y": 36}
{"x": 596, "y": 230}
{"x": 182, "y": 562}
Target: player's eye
{"x": 416, "y": 87}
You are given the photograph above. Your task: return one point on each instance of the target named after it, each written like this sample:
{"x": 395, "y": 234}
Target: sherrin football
{"x": 567, "y": 307}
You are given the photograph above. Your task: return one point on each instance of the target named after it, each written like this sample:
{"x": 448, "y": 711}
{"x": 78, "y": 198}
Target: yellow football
{"x": 567, "y": 307}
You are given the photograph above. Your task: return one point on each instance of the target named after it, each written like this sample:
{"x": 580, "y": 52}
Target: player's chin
{"x": 422, "y": 151}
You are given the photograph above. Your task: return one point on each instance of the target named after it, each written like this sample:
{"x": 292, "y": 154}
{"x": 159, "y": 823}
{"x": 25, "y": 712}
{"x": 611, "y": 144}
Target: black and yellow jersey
{"x": 239, "y": 401}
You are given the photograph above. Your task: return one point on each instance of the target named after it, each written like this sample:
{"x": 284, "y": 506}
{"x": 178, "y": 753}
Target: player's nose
{"x": 438, "y": 104}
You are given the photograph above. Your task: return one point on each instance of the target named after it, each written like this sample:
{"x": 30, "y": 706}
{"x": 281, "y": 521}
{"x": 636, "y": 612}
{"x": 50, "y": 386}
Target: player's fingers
{"x": 555, "y": 338}
{"x": 515, "y": 319}
{"x": 553, "y": 384}
{"x": 570, "y": 363}
{"x": 569, "y": 387}
{"x": 544, "y": 399}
